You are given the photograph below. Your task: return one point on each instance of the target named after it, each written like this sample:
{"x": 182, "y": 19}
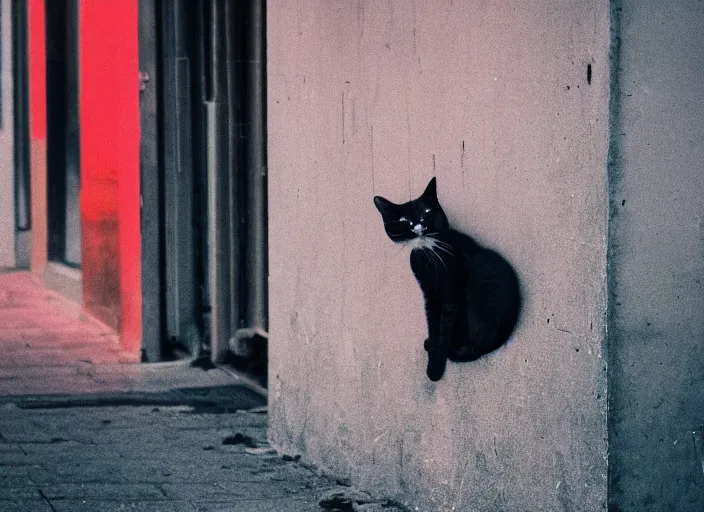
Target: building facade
{"x": 199, "y": 176}
{"x": 137, "y": 185}
{"x": 566, "y": 135}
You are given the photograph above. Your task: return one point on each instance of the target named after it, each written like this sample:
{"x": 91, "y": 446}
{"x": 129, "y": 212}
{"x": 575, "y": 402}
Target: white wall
{"x": 370, "y": 98}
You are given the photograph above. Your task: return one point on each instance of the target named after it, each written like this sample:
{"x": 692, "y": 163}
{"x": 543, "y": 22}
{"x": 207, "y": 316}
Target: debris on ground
{"x": 264, "y": 450}
{"x": 240, "y": 438}
{"x": 343, "y": 499}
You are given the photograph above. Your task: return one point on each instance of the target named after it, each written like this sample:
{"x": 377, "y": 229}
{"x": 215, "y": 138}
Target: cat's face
{"x": 415, "y": 221}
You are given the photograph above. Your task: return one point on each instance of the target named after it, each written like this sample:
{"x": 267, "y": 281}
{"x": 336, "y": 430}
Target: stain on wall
{"x": 493, "y": 98}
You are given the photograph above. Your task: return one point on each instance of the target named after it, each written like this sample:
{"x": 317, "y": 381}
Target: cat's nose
{"x": 418, "y": 229}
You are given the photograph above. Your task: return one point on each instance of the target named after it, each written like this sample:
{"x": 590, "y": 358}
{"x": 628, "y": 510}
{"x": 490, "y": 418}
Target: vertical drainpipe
{"x": 254, "y": 109}
{"x": 257, "y": 171}
{"x": 20, "y": 112}
{"x": 235, "y": 170}
{"x": 21, "y": 119}
{"x": 218, "y": 187}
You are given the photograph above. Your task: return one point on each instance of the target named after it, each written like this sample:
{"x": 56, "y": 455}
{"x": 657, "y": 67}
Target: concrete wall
{"x": 656, "y": 381}
{"x": 370, "y": 98}
{"x": 7, "y": 167}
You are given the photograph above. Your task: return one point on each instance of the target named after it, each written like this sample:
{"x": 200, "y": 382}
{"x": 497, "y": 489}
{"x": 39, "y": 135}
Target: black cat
{"x": 472, "y": 295}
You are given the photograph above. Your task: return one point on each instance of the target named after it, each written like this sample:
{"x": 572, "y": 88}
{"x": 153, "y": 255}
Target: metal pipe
{"x": 257, "y": 261}
{"x": 218, "y": 188}
{"x": 235, "y": 190}
{"x": 152, "y": 253}
{"x": 23, "y": 220}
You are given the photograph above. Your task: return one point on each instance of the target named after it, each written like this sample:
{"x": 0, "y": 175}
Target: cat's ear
{"x": 431, "y": 190}
{"x": 384, "y": 206}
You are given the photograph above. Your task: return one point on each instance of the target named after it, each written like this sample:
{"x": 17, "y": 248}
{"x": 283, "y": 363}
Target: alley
{"x": 201, "y": 308}
{"x": 85, "y": 427}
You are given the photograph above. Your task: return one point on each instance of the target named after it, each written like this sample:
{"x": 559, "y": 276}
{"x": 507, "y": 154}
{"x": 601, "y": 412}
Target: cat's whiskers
{"x": 430, "y": 245}
{"x": 446, "y": 248}
{"x": 439, "y": 244}
{"x": 439, "y": 259}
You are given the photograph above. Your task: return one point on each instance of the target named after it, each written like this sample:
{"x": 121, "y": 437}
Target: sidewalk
{"x": 145, "y": 459}
{"x": 48, "y": 346}
{"x": 84, "y": 427}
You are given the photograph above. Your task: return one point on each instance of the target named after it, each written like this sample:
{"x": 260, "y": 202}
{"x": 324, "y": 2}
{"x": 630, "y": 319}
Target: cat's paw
{"x": 436, "y": 366}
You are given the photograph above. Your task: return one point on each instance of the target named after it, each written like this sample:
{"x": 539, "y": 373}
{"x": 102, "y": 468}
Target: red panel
{"x": 129, "y": 178}
{"x": 110, "y": 206}
{"x": 37, "y": 69}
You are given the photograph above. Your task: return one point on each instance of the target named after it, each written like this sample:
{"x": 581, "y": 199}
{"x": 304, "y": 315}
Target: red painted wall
{"x": 110, "y": 205}
{"x": 37, "y": 131}
{"x": 109, "y": 131}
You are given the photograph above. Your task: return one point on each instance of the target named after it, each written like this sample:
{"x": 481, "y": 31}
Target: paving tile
{"x": 23, "y": 318}
{"x": 13, "y": 460}
{"x": 35, "y": 505}
{"x": 7, "y": 447}
{"x": 15, "y": 481}
{"x": 214, "y": 492}
{"x": 259, "y": 505}
{"x": 32, "y": 375}
{"x": 13, "y": 470}
{"x": 102, "y": 491}
{"x": 122, "y": 506}
{"x": 23, "y": 492}
{"x": 141, "y": 472}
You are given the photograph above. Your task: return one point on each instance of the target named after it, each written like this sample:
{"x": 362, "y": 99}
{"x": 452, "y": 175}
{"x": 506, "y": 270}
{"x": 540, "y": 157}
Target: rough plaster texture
{"x": 7, "y": 160}
{"x": 370, "y": 98}
{"x": 656, "y": 380}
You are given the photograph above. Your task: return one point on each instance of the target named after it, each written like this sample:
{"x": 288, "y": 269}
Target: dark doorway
{"x": 63, "y": 156}
{"x": 183, "y": 95}
{"x": 206, "y": 162}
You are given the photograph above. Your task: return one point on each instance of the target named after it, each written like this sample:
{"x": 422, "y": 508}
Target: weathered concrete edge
{"x": 613, "y": 170}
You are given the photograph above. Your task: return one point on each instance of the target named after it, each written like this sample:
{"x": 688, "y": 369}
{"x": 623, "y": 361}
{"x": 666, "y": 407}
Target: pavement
{"x": 85, "y": 427}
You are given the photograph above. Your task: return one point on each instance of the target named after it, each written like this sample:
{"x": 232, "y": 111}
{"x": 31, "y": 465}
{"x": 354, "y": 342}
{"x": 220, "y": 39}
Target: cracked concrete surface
{"x": 62, "y": 457}
{"x": 145, "y": 458}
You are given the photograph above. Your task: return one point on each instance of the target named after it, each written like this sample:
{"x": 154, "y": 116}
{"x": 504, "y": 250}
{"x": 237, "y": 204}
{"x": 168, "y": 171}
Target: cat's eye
{"x": 403, "y": 219}
{"x": 427, "y": 210}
